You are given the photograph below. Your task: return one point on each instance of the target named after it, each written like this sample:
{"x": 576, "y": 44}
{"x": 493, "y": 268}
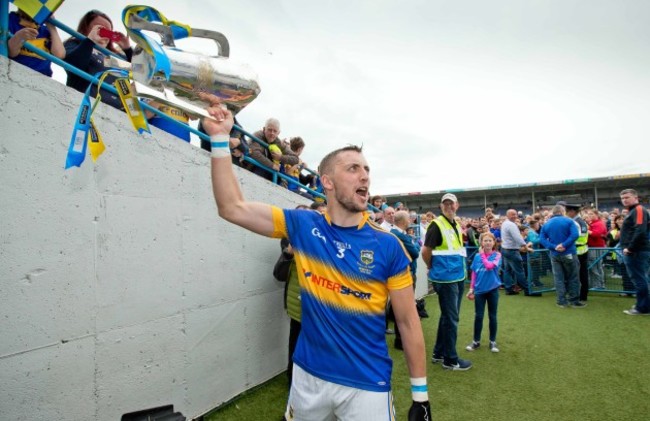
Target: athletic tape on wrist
{"x": 220, "y": 145}
{"x": 419, "y": 389}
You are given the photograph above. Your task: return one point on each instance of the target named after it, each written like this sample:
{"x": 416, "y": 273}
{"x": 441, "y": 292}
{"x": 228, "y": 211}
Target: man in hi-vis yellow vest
{"x": 444, "y": 254}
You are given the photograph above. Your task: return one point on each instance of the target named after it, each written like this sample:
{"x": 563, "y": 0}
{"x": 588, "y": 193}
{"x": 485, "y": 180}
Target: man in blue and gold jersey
{"x": 44, "y": 37}
{"x": 348, "y": 267}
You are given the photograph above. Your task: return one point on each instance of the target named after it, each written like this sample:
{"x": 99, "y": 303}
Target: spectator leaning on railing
{"x": 297, "y": 145}
{"x": 44, "y": 37}
{"x": 261, "y": 154}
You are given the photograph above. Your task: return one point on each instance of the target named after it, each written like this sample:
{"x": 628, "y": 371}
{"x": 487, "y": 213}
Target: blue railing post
{"x": 4, "y": 27}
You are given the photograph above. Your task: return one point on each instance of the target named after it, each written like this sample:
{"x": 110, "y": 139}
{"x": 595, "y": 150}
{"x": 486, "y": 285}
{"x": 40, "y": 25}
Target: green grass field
{"x": 555, "y": 364}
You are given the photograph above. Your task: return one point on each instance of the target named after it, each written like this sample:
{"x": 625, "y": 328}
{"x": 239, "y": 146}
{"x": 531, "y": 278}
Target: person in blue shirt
{"x": 44, "y": 37}
{"x": 559, "y": 236}
{"x": 348, "y": 267}
{"x": 484, "y": 289}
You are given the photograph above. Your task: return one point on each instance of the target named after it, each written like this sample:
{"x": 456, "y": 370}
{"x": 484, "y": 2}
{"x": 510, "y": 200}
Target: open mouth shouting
{"x": 363, "y": 192}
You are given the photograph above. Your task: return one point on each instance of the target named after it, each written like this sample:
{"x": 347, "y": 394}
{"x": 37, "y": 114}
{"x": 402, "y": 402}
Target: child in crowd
{"x": 292, "y": 171}
{"x": 485, "y": 288}
{"x": 44, "y": 37}
{"x": 276, "y": 157}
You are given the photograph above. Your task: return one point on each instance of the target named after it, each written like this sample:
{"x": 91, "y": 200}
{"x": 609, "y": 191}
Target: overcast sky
{"x": 442, "y": 94}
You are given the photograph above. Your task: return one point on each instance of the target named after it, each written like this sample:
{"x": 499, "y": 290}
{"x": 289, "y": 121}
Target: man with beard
{"x": 348, "y": 268}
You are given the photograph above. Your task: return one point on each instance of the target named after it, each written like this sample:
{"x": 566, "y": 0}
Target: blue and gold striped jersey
{"x": 345, "y": 274}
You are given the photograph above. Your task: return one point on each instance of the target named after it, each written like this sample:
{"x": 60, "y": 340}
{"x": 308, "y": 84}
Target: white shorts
{"x": 313, "y": 399}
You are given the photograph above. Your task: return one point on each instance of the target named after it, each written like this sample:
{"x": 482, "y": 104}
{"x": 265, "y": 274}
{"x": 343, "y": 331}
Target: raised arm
{"x": 56, "y": 45}
{"x": 232, "y": 206}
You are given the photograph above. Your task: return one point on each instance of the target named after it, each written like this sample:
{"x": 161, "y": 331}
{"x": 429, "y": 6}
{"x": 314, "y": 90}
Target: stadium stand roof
{"x": 602, "y": 192}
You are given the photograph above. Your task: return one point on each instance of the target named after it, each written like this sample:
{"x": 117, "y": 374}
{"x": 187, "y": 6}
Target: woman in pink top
{"x": 595, "y": 241}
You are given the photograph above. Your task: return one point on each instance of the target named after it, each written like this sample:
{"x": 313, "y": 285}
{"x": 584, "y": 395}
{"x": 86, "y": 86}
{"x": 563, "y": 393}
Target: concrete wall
{"x": 121, "y": 289}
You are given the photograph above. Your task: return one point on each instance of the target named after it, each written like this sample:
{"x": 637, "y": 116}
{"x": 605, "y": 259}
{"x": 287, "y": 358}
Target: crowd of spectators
{"x": 604, "y": 226}
{"x": 518, "y": 238}
{"x": 603, "y": 231}
{"x": 271, "y": 153}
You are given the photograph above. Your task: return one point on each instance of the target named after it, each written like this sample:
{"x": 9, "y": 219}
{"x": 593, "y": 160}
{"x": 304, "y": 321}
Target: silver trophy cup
{"x": 192, "y": 73}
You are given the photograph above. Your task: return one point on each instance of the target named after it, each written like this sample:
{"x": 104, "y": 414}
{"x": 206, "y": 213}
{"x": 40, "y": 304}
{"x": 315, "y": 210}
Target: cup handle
{"x": 167, "y": 36}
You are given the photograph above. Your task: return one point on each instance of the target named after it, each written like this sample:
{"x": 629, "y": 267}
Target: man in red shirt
{"x": 595, "y": 241}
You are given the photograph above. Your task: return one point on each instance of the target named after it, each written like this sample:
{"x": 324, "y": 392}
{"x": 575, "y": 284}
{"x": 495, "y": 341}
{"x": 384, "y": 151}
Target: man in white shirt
{"x": 389, "y": 219}
{"x": 512, "y": 243}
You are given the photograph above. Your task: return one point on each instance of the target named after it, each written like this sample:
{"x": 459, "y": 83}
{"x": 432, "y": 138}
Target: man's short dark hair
{"x": 629, "y": 191}
{"x": 326, "y": 164}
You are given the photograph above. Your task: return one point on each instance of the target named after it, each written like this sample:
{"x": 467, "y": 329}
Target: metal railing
{"x": 539, "y": 271}
{"x": 615, "y": 279}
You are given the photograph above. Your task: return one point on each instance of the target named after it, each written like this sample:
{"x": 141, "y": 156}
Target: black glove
{"x": 420, "y": 411}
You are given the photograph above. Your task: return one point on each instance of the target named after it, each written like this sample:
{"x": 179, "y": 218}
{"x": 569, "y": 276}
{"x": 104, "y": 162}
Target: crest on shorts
{"x": 367, "y": 257}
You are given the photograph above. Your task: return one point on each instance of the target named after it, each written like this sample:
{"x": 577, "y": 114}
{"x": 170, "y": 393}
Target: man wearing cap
{"x": 444, "y": 254}
{"x": 573, "y": 212}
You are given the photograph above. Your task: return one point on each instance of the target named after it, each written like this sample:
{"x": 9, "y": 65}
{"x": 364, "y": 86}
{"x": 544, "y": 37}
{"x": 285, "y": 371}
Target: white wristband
{"x": 419, "y": 389}
{"x": 220, "y": 144}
